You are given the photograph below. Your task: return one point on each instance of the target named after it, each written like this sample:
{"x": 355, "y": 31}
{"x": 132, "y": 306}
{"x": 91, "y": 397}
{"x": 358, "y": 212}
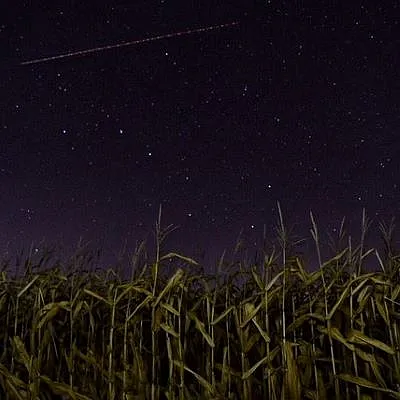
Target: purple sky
{"x": 294, "y": 104}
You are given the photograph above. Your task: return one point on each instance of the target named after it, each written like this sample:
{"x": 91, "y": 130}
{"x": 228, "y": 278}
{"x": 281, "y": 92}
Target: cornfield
{"x": 266, "y": 331}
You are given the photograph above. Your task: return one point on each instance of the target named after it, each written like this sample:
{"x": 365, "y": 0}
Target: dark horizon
{"x": 103, "y": 257}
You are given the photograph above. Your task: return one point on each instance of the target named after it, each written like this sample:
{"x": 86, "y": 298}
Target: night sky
{"x": 296, "y": 102}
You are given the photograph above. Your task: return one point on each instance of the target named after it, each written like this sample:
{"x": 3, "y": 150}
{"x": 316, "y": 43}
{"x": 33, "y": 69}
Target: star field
{"x": 296, "y": 104}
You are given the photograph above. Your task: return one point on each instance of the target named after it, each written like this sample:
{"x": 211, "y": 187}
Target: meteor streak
{"x": 124, "y": 44}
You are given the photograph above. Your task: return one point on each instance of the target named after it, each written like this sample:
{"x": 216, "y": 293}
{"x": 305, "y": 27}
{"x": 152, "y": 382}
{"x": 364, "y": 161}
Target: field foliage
{"x": 266, "y": 330}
